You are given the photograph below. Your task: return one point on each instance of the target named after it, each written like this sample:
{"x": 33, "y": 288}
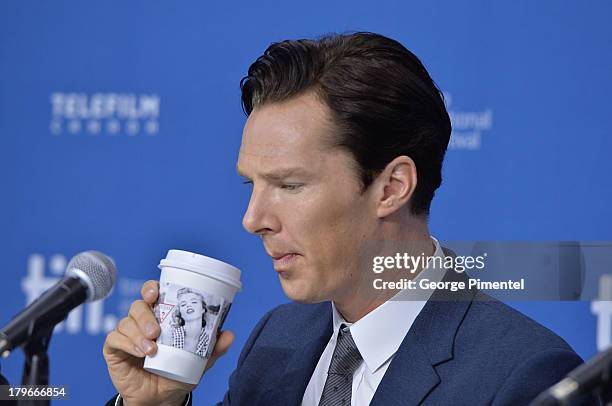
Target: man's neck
{"x": 359, "y": 302}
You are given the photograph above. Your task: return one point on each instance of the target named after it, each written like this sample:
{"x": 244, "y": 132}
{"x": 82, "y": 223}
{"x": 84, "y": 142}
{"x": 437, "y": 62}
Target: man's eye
{"x": 247, "y": 182}
{"x": 291, "y": 186}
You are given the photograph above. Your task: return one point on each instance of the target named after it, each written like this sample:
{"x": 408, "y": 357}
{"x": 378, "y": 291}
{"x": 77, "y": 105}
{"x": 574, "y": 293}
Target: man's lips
{"x": 281, "y": 261}
{"x": 278, "y": 254}
{"x": 281, "y": 256}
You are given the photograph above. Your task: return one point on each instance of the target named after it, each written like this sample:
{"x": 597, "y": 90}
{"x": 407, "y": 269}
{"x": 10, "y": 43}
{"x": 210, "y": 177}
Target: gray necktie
{"x": 346, "y": 359}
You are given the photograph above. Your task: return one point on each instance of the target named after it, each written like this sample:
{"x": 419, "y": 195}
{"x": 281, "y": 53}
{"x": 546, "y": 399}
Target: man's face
{"x": 306, "y": 201}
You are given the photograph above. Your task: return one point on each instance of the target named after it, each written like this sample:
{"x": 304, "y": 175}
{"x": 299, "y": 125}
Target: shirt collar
{"x": 391, "y": 320}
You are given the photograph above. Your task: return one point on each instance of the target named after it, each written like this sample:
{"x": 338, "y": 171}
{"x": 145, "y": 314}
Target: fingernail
{"x": 150, "y": 329}
{"x": 138, "y": 351}
{"x": 147, "y": 346}
{"x": 151, "y": 291}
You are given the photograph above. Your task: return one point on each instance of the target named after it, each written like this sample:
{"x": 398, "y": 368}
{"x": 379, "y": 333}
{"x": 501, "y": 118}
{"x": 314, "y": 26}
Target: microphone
{"x": 89, "y": 276}
{"x": 588, "y": 378}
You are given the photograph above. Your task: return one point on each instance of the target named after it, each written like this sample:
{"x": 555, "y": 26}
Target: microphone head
{"x": 95, "y": 270}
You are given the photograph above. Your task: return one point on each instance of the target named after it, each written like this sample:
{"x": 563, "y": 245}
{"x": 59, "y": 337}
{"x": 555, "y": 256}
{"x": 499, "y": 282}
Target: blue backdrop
{"x": 120, "y": 124}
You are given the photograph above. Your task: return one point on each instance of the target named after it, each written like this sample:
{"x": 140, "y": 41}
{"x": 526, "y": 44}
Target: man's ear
{"x": 395, "y": 185}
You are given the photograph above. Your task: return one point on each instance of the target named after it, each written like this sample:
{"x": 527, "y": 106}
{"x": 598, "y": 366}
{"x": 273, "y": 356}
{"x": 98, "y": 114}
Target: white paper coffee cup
{"x": 196, "y": 293}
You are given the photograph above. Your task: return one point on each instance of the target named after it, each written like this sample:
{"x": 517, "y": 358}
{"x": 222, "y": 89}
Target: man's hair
{"x": 384, "y": 104}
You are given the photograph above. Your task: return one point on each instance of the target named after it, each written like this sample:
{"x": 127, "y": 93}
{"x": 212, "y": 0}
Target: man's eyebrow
{"x": 285, "y": 173}
{"x": 279, "y": 174}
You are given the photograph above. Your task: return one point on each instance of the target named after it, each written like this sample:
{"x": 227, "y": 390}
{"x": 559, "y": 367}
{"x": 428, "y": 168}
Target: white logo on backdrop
{"x": 468, "y": 126}
{"x": 602, "y": 308}
{"x": 89, "y": 317}
{"x": 104, "y": 114}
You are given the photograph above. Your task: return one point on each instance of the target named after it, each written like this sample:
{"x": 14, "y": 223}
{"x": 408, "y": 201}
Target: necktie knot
{"x": 346, "y": 358}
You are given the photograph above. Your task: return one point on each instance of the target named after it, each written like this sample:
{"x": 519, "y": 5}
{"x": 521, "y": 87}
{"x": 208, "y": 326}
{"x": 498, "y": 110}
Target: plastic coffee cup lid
{"x": 203, "y": 265}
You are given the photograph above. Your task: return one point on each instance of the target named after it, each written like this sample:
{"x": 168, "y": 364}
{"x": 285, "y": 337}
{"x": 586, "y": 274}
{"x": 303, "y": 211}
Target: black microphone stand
{"x": 36, "y": 365}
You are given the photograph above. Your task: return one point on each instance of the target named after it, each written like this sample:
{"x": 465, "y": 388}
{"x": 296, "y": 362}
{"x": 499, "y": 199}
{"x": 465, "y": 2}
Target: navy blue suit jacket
{"x": 467, "y": 350}
{"x": 463, "y": 349}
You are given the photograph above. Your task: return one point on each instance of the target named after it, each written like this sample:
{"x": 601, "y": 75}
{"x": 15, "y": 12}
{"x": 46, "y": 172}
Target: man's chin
{"x": 300, "y": 294}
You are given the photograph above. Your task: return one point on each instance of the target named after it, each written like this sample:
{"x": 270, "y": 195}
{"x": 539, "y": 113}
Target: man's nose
{"x": 259, "y": 217}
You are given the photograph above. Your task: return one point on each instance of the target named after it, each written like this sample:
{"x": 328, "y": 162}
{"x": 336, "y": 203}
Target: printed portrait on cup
{"x": 189, "y": 318}
{"x": 189, "y": 323}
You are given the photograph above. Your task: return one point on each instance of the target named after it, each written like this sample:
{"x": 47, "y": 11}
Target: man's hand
{"x": 125, "y": 349}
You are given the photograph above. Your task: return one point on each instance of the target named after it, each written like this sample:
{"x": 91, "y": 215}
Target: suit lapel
{"x": 292, "y": 384}
{"x": 411, "y": 376}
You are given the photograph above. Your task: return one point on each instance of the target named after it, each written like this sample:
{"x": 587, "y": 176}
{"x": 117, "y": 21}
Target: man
{"x": 343, "y": 149}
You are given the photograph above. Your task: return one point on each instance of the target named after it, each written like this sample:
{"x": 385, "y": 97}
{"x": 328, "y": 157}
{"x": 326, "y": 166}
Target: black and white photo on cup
{"x": 188, "y": 318}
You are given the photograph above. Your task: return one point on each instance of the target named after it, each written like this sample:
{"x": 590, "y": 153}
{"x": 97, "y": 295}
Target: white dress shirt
{"x": 378, "y": 336}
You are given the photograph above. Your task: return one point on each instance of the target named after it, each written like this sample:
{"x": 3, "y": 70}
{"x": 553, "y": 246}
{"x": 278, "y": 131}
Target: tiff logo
{"x": 104, "y": 113}
{"x": 35, "y": 283}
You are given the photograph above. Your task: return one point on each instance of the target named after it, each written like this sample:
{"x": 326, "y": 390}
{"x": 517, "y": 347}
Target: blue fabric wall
{"x": 527, "y": 83}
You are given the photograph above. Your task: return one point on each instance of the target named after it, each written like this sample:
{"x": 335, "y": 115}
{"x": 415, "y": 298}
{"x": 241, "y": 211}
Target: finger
{"x": 225, "y": 340}
{"x": 141, "y": 312}
{"x": 115, "y": 341}
{"x": 129, "y": 328}
{"x": 150, "y": 292}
